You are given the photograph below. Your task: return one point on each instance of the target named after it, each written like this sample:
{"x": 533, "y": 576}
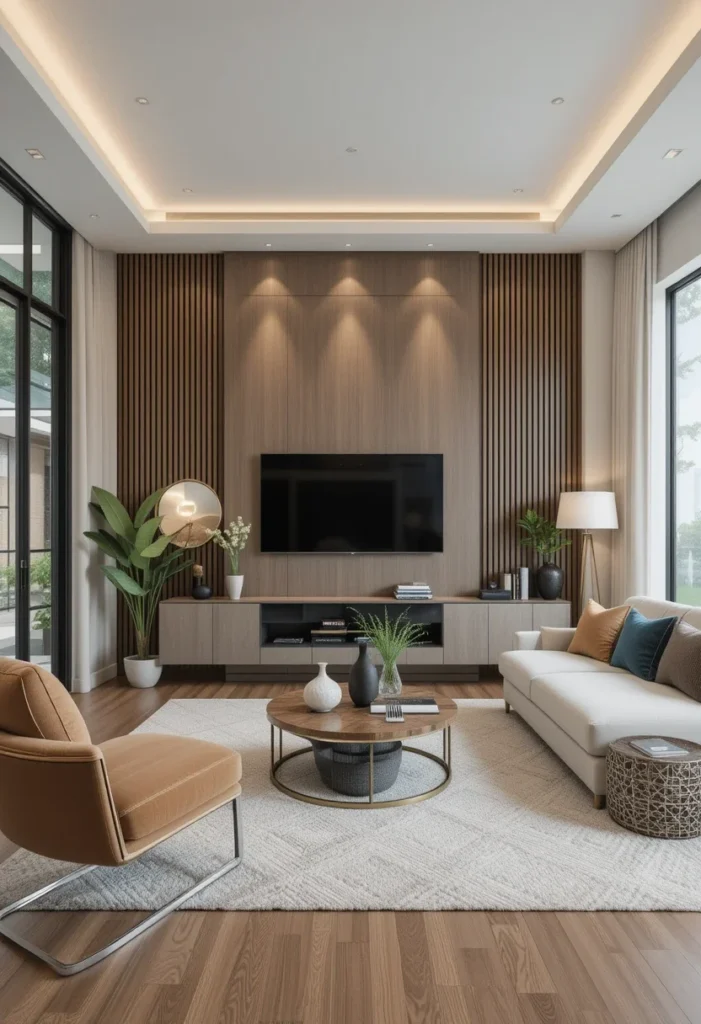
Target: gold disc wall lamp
{"x": 190, "y": 509}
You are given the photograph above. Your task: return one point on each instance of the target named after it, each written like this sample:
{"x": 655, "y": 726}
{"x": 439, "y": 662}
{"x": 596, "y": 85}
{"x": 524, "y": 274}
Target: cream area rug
{"x": 514, "y": 830}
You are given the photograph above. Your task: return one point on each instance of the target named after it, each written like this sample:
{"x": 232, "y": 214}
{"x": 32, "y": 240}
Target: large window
{"x": 684, "y": 335}
{"x": 34, "y": 464}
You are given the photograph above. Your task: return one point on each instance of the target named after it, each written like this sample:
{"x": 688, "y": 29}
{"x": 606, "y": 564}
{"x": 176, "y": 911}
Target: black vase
{"x": 550, "y": 579}
{"x": 201, "y": 592}
{"x": 363, "y": 681}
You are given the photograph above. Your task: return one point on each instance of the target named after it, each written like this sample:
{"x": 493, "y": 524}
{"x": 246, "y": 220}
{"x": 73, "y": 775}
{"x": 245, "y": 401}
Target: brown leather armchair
{"x": 66, "y": 798}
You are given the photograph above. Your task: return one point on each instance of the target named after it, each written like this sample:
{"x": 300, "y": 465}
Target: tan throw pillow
{"x": 597, "y": 631}
{"x": 680, "y": 664}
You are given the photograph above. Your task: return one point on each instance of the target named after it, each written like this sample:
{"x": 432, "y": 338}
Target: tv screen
{"x": 349, "y": 504}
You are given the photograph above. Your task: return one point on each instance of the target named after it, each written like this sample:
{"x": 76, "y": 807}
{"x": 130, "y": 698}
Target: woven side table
{"x": 659, "y": 797}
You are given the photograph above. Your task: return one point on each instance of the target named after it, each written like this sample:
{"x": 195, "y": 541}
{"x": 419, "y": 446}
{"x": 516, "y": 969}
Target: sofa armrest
{"x": 527, "y": 640}
{"x": 556, "y": 638}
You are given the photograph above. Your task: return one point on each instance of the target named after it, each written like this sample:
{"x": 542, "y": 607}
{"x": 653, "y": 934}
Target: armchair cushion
{"x": 158, "y": 780}
{"x": 33, "y": 703}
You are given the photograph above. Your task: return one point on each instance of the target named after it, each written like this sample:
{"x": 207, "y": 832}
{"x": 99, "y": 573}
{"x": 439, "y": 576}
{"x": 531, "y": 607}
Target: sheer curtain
{"x": 94, "y": 405}
{"x": 635, "y": 274}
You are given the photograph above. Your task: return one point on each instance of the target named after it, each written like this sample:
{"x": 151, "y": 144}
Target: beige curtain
{"x": 94, "y": 401}
{"x": 635, "y": 275}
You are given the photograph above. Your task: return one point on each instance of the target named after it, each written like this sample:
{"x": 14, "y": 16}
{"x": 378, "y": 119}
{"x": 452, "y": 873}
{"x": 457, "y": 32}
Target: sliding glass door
{"x": 34, "y": 464}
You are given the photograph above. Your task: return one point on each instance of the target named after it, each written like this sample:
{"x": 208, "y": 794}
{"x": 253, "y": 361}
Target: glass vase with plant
{"x": 543, "y": 536}
{"x": 233, "y": 540}
{"x": 141, "y": 570}
{"x": 391, "y": 637}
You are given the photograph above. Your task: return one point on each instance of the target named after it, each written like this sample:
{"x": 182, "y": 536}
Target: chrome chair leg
{"x": 158, "y": 915}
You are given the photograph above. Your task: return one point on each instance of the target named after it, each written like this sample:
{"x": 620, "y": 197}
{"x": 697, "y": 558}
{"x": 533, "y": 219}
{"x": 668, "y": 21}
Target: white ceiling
{"x": 252, "y": 105}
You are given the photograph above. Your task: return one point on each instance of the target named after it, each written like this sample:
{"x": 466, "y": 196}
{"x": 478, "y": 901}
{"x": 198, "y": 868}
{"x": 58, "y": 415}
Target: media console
{"x": 459, "y": 630}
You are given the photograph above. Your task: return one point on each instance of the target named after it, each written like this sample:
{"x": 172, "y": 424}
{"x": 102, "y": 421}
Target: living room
{"x": 350, "y": 575}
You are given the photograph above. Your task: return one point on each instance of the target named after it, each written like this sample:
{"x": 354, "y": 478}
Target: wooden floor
{"x": 353, "y": 968}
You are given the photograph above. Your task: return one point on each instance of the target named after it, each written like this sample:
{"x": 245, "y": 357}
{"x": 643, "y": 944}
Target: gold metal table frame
{"x": 371, "y": 803}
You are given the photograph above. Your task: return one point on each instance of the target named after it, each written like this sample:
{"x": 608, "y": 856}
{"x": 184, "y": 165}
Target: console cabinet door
{"x": 504, "y": 620}
{"x": 185, "y": 633}
{"x": 551, "y": 614}
{"x": 465, "y": 633}
{"x": 236, "y": 634}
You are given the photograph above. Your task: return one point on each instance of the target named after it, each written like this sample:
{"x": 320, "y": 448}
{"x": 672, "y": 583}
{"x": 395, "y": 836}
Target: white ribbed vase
{"x": 322, "y": 693}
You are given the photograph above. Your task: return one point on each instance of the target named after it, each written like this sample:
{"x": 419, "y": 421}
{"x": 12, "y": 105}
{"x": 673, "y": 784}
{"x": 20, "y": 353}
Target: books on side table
{"x": 409, "y": 705}
{"x": 655, "y": 746}
{"x": 413, "y": 592}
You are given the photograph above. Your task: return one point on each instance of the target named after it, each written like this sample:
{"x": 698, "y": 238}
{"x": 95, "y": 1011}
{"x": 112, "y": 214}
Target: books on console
{"x": 413, "y": 592}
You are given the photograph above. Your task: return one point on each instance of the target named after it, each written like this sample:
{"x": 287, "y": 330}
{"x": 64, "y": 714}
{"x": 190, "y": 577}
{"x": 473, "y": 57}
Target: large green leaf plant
{"x": 142, "y": 565}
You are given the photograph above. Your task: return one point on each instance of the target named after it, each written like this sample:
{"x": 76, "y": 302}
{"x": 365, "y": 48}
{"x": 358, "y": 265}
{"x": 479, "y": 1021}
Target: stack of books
{"x": 330, "y": 631}
{"x": 413, "y": 592}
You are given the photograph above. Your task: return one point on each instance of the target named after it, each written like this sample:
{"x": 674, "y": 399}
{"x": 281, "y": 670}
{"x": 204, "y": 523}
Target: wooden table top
{"x": 355, "y": 725}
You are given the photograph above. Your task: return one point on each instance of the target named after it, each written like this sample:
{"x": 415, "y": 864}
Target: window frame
{"x": 671, "y": 474}
{"x": 59, "y": 313}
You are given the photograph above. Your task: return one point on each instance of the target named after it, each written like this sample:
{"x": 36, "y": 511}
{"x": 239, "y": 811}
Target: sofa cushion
{"x": 641, "y": 644}
{"x": 680, "y": 665}
{"x": 157, "y": 780}
{"x": 33, "y": 703}
{"x": 599, "y": 707}
{"x": 598, "y": 630}
{"x": 520, "y": 667}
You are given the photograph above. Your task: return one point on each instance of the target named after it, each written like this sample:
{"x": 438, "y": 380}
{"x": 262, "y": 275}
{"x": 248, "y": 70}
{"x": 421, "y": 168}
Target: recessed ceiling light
{"x": 94, "y": 216}
{"x": 142, "y": 100}
{"x": 351, "y": 149}
{"x": 430, "y": 245}
{"x": 268, "y": 245}
{"x": 614, "y": 215}
{"x": 517, "y": 190}
{"x": 348, "y": 245}
{"x": 671, "y": 154}
{"x": 558, "y": 101}
{"x": 189, "y": 190}
{"x": 35, "y": 154}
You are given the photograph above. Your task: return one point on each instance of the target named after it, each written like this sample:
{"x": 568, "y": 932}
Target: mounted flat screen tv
{"x": 352, "y": 504}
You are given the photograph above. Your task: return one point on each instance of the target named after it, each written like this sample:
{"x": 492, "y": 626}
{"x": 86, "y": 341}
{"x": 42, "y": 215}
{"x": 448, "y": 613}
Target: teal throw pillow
{"x": 641, "y": 644}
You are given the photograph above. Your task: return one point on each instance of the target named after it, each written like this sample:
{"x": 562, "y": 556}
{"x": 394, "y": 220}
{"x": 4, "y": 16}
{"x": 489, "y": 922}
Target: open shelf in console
{"x": 292, "y": 625}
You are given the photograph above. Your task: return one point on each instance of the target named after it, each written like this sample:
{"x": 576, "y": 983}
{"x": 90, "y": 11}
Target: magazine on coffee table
{"x": 409, "y": 705}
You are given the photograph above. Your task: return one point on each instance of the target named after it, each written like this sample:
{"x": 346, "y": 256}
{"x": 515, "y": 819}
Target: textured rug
{"x": 514, "y": 830}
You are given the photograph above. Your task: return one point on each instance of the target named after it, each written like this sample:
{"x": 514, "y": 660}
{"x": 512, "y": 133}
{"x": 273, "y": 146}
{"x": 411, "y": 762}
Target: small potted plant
{"x": 544, "y": 537}
{"x": 391, "y": 637}
{"x": 233, "y": 540}
{"x": 142, "y": 567}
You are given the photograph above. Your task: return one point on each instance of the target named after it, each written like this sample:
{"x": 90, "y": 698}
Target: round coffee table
{"x": 655, "y": 796}
{"x": 349, "y": 724}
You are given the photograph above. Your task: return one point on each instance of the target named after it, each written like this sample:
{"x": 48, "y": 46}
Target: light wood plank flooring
{"x": 353, "y": 968}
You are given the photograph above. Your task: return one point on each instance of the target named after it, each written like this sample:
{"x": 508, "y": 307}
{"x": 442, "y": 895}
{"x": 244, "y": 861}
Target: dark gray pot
{"x": 550, "y": 579}
{"x": 363, "y": 681}
{"x": 345, "y": 767}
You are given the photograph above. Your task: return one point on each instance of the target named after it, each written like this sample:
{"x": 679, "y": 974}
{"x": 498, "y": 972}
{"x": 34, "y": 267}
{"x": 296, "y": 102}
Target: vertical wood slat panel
{"x": 531, "y": 401}
{"x": 170, "y": 396}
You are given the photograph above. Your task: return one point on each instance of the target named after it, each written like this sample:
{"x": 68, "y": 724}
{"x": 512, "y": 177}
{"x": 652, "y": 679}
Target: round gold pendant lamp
{"x": 190, "y": 509}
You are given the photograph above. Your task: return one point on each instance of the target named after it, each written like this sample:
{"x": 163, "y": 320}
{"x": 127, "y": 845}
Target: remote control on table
{"x": 393, "y": 712}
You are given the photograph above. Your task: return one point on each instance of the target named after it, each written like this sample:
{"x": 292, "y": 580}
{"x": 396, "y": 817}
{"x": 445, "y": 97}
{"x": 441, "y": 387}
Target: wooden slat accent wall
{"x": 169, "y": 387}
{"x": 531, "y": 401}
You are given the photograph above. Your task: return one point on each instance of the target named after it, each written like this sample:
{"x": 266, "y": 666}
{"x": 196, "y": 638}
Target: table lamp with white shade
{"x": 587, "y": 511}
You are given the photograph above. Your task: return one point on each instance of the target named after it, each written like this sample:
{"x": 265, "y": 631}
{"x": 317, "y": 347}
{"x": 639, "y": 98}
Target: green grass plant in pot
{"x": 546, "y": 540}
{"x": 141, "y": 569}
{"x": 391, "y": 637}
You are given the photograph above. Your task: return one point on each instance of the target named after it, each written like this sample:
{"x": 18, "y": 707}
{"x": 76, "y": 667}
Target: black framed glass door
{"x": 34, "y": 462}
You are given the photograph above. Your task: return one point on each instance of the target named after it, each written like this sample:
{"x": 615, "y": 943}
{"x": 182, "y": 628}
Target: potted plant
{"x": 391, "y": 637}
{"x": 141, "y": 569}
{"x": 544, "y": 537}
{"x": 233, "y": 540}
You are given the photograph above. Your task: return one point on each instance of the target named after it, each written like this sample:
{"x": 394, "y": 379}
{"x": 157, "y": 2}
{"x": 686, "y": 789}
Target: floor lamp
{"x": 587, "y": 511}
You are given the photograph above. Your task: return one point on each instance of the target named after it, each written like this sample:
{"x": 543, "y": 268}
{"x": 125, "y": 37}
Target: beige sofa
{"x": 579, "y": 706}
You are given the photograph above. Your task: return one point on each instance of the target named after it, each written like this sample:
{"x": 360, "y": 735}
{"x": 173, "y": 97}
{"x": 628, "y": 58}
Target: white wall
{"x": 679, "y": 238}
{"x": 597, "y": 350}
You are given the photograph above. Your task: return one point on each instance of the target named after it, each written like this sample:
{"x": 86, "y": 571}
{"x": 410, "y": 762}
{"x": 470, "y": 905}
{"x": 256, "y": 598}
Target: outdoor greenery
{"x": 541, "y": 534}
{"x": 40, "y": 583}
{"x": 40, "y": 348}
{"x": 142, "y": 566}
{"x": 390, "y": 636}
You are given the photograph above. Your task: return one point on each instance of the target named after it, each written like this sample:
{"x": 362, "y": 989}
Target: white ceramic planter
{"x": 142, "y": 672}
{"x": 322, "y": 693}
{"x": 234, "y": 586}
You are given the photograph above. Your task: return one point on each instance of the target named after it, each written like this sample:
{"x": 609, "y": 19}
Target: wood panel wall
{"x": 375, "y": 353}
{"x": 169, "y": 386}
{"x": 531, "y": 401}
